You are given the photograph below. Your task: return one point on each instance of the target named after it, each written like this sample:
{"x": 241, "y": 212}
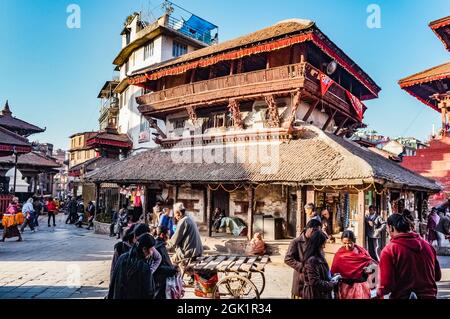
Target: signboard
{"x": 144, "y": 137}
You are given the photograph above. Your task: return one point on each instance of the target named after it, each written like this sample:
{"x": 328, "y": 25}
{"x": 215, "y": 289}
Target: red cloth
{"x": 51, "y": 206}
{"x": 408, "y": 264}
{"x": 350, "y": 264}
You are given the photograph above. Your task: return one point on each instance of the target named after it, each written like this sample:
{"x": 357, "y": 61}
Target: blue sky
{"x": 52, "y": 74}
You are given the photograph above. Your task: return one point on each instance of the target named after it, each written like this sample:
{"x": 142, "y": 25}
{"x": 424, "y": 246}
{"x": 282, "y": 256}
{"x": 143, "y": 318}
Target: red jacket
{"x": 408, "y": 264}
{"x": 51, "y": 206}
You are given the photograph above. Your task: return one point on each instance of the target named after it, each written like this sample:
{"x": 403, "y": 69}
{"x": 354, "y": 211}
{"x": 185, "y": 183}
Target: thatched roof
{"x": 318, "y": 158}
{"x": 93, "y": 164}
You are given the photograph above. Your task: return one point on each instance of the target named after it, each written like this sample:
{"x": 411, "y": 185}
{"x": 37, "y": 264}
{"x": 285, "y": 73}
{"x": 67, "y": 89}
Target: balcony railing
{"x": 268, "y": 81}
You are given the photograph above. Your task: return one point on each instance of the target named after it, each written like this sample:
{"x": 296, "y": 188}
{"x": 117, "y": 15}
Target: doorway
{"x": 221, "y": 199}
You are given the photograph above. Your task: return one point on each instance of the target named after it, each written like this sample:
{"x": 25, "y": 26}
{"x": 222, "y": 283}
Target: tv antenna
{"x": 167, "y": 6}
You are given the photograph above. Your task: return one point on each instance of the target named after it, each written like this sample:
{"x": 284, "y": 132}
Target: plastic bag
{"x": 174, "y": 288}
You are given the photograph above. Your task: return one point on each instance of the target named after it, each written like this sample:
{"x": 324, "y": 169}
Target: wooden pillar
{"x": 361, "y": 238}
{"x": 444, "y": 120}
{"x": 251, "y": 210}
{"x": 144, "y": 205}
{"x": 97, "y": 198}
{"x": 301, "y": 218}
{"x": 35, "y": 184}
{"x": 209, "y": 208}
{"x": 310, "y": 195}
{"x": 176, "y": 193}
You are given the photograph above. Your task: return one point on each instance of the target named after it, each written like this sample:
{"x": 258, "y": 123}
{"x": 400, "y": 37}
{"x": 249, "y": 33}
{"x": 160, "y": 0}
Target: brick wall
{"x": 193, "y": 201}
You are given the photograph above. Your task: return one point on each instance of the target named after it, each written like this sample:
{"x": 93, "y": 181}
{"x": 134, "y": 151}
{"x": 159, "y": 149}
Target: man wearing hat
{"x": 186, "y": 240}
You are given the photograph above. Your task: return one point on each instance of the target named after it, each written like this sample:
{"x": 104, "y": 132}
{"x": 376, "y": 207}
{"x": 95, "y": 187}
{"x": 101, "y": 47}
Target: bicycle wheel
{"x": 258, "y": 279}
{"x": 235, "y": 287}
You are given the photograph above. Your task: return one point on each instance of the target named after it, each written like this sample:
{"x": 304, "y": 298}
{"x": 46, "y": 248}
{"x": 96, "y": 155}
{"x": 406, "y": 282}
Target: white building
{"x": 144, "y": 45}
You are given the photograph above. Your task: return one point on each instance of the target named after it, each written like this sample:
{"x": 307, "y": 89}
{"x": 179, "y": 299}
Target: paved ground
{"x": 66, "y": 262}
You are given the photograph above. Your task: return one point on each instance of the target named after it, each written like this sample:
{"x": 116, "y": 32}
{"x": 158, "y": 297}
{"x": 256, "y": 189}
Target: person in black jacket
{"x": 295, "y": 257}
{"x": 123, "y": 247}
{"x": 166, "y": 269}
{"x": 132, "y": 277}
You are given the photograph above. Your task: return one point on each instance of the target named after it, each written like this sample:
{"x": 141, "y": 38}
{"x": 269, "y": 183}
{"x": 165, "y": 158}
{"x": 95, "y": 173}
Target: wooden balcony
{"x": 278, "y": 81}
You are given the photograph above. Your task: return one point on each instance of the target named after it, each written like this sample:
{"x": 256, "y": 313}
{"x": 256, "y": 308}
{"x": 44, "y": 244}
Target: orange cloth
{"x": 9, "y": 220}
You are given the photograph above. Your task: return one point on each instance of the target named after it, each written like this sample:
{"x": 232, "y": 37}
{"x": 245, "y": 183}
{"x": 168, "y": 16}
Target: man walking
{"x": 374, "y": 226}
{"x": 311, "y": 213}
{"x": 186, "y": 240}
{"x": 295, "y": 257}
{"x": 28, "y": 212}
{"x": 72, "y": 208}
{"x": 38, "y": 205}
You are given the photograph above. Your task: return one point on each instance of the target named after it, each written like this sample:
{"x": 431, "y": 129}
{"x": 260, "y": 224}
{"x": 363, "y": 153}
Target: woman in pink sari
{"x": 351, "y": 262}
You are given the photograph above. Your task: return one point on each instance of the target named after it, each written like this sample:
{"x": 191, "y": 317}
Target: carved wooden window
{"x": 179, "y": 124}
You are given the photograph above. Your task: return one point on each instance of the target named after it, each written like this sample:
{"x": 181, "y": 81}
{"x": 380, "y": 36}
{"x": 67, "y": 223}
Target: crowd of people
{"x": 141, "y": 266}
{"x": 18, "y": 217}
{"x": 408, "y": 266}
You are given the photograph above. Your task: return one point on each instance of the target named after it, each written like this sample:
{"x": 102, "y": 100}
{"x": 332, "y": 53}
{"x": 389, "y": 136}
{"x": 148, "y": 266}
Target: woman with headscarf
{"x": 28, "y": 211}
{"x": 351, "y": 262}
{"x": 11, "y": 219}
{"x": 132, "y": 277}
{"x": 433, "y": 221}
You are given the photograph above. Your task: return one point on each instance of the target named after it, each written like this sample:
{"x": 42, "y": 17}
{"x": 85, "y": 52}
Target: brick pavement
{"x": 67, "y": 262}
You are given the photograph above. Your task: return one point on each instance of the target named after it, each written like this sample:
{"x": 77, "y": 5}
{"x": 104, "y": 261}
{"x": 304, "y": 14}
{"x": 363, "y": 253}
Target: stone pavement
{"x": 61, "y": 262}
{"x": 66, "y": 262}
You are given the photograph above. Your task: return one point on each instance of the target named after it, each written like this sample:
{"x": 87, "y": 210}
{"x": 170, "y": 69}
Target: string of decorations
{"x": 383, "y": 191}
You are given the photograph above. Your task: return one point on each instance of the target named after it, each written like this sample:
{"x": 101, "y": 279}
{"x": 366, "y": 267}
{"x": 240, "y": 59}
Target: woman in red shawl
{"x": 351, "y": 262}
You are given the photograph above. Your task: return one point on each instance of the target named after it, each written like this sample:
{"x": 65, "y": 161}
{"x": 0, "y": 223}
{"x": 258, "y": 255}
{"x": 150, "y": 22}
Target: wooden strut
{"x": 154, "y": 125}
{"x": 311, "y": 109}
{"x": 192, "y": 115}
{"x": 274, "y": 117}
{"x": 295, "y": 104}
{"x": 233, "y": 105}
{"x": 330, "y": 118}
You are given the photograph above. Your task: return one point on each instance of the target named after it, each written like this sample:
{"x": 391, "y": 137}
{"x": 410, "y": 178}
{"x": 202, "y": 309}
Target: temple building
{"x": 432, "y": 87}
{"x": 258, "y": 126}
{"x": 34, "y": 169}
{"x": 92, "y": 150}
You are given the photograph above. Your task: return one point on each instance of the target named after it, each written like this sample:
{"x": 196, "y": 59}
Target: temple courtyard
{"x": 66, "y": 262}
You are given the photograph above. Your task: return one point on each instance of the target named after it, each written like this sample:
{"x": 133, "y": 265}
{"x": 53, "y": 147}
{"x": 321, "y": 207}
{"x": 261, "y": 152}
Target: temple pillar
{"x": 361, "y": 237}
{"x": 209, "y": 208}
{"x": 251, "y": 210}
{"x": 301, "y": 218}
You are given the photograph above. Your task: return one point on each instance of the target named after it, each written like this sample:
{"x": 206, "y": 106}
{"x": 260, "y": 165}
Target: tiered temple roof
{"x": 17, "y": 125}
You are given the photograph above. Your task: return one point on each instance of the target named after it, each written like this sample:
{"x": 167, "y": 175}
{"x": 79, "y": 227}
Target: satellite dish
{"x": 331, "y": 67}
